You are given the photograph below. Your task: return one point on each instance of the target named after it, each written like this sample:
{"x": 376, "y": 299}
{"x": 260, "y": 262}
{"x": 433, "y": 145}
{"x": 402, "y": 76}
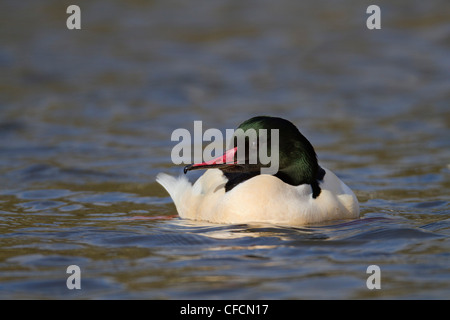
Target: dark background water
{"x": 86, "y": 118}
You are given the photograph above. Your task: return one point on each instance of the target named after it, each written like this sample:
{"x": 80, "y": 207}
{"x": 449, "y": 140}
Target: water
{"x": 86, "y": 118}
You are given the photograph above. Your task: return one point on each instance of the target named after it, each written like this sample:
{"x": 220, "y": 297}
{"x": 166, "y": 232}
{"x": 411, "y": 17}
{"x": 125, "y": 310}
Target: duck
{"x": 234, "y": 190}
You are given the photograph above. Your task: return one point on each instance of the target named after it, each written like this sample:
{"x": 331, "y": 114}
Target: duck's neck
{"x": 303, "y": 171}
{"x": 235, "y": 178}
{"x": 294, "y": 175}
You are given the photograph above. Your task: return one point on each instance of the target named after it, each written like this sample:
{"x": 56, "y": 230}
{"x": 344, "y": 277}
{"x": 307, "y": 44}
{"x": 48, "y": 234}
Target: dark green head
{"x": 268, "y": 140}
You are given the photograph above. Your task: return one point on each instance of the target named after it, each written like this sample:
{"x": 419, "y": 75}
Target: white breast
{"x": 263, "y": 198}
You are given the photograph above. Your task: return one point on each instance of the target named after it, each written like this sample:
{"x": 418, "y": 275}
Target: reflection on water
{"x": 85, "y": 124}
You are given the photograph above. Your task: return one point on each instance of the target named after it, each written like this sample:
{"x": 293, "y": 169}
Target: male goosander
{"x": 234, "y": 191}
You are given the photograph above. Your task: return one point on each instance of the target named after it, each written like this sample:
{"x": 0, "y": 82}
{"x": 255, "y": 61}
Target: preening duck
{"x": 236, "y": 187}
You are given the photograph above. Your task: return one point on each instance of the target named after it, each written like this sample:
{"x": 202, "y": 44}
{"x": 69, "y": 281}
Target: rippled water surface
{"x": 86, "y": 118}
